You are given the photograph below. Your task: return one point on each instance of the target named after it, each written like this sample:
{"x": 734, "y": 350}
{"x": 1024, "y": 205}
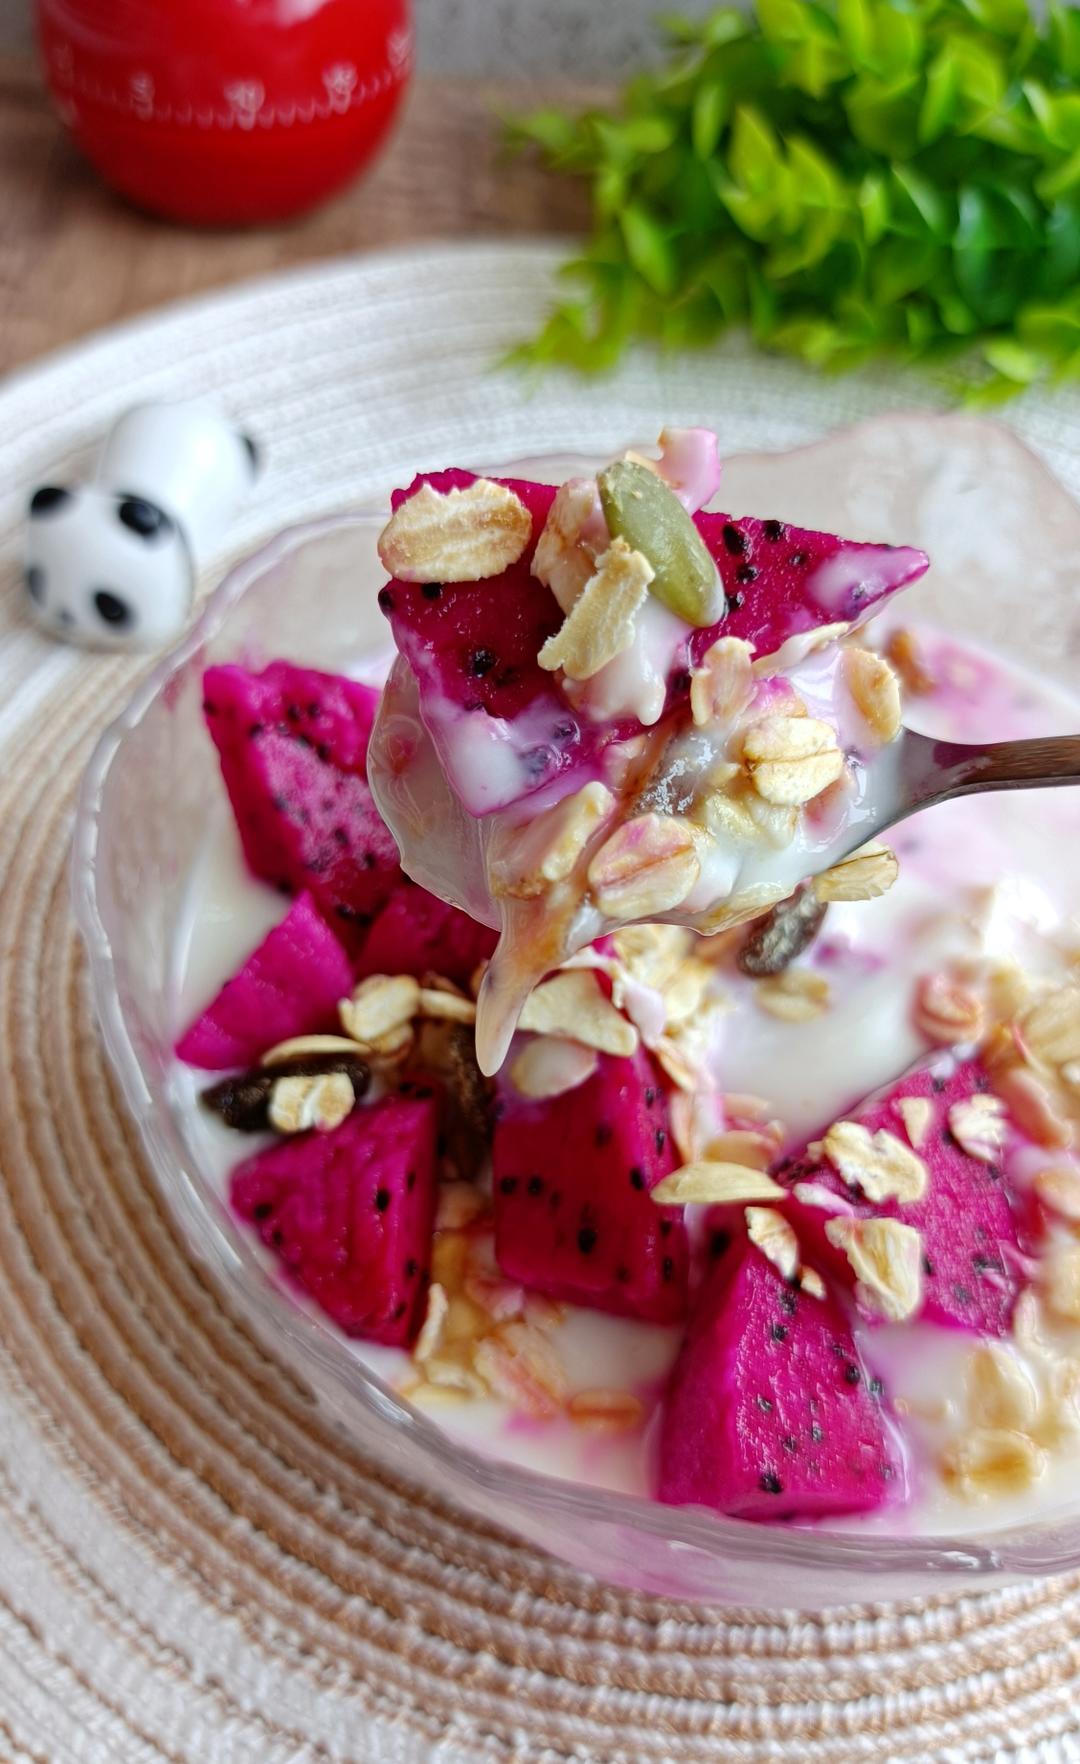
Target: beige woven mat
{"x": 192, "y": 1567}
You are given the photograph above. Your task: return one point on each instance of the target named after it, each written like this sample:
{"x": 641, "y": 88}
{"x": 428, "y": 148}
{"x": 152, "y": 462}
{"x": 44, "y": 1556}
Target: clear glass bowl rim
{"x": 1050, "y": 1547}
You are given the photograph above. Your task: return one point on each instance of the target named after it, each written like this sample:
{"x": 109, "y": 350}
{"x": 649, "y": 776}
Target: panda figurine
{"x": 113, "y": 563}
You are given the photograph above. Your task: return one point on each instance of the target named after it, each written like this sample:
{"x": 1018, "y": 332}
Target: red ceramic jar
{"x": 227, "y": 111}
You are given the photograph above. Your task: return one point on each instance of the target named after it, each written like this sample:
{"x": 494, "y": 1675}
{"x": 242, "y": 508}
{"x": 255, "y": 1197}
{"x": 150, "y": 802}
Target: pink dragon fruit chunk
{"x": 781, "y": 581}
{"x": 293, "y": 748}
{"x": 417, "y": 933}
{"x": 572, "y": 1176}
{"x": 350, "y": 1213}
{"x": 968, "y": 1217}
{"x": 770, "y": 1412}
{"x": 289, "y": 986}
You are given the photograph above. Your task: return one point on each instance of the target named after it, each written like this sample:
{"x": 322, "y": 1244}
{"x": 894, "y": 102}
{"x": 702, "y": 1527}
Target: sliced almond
{"x": 992, "y": 1462}
{"x": 1001, "y": 1391}
{"x": 1059, "y": 1189}
{"x": 1033, "y": 1107}
{"x": 775, "y": 1238}
{"x": 917, "y": 1114}
{"x": 455, "y": 535}
{"x": 710, "y": 1183}
{"x": 865, "y": 875}
{"x": 978, "y": 1124}
{"x": 1051, "y": 1028}
{"x": 441, "y": 1006}
{"x": 563, "y": 560}
{"x": 551, "y": 1065}
{"x": 431, "y": 1331}
{"x": 947, "y": 1012}
{"x": 792, "y": 759}
{"x": 572, "y": 1004}
{"x": 606, "y": 1411}
{"x": 886, "y": 1259}
{"x": 875, "y": 691}
{"x": 721, "y": 684}
{"x": 756, "y": 1148}
{"x": 602, "y": 622}
{"x": 321, "y": 1102}
{"x": 520, "y": 1364}
{"x": 879, "y": 1164}
{"x": 546, "y": 848}
{"x": 908, "y": 658}
{"x": 299, "y": 1046}
{"x": 796, "y": 995}
{"x": 379, "y": 1005}
{"x": 647, "y": 867}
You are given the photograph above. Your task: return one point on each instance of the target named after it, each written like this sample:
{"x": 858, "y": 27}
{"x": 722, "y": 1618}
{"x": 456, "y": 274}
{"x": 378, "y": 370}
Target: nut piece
{"x": 572, "y": 1004}
{"x": 1059, "y": 1189}
{"x": 440, "y": 1005}
{"x": 1032, "y": 1108}
{"x": 878, "y": 1164}
{"x": 603, "y": 620}
{"x": 1060, "y": 1275}
{"x": 792, "y": 759}
{"x": 646, "y": 868}
{"x": 1051, "y": 1028}
{"x": 551, "y": 1065}
{"x": 520, "y": 1364}
{"x": 865, "y": 875}
{"x": 774, "y": 1237}
{"x": 917, "y": 1114}
{"x": 875, "y": 691}
{"x": 380, "y": 1005}
{"x": 564, "y": 560}
{"x": 1001, "y": 1391}
{"x": 456, "y": 535}
{"x": 795, "y": 996}
{"x": 947, "y": 1012}
{"x": 886, "y": 1259}
{"x": 721, "y": 684}
{"x": 978, "y": 1125}
{"x": 991, "y": 1462}
{"x": 712, "y": 1183}
{"x": 322, "y": 1102}
{"x": 904, "y": 651}
{"x": 606, "y": 1411}
{"x": 544, "y": 850}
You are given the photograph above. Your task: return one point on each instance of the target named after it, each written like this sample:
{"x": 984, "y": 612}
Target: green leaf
{"x": 1010, "y": 358}
{"x": 783, "y": 21}
{"x": 874, "y": 203}
{"x": 708, "y": 117}
{"x": 754, "y": 154}
{"x": 940, "y": 97}
{"x": 649, "y": 249}
{"x": 919, "y": 208}
{"x": 1006, "y": 17}
{"x": 1062, "y": 180}
{"x": 855, "y": 19}
{"x": 884, "y": 116}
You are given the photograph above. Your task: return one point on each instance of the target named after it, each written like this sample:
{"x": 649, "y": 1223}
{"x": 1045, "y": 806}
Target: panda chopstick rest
{"x": 112, "y": 564}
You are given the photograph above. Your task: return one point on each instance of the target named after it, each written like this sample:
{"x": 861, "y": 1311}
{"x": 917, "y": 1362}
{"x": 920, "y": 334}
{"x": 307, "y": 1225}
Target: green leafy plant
{"x": 848, "y": 178}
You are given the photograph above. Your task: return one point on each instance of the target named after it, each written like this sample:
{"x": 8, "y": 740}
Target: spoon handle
{"x": 936, "y": 771}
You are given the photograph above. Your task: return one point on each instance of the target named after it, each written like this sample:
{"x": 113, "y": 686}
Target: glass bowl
{"x": 996, "y": 522}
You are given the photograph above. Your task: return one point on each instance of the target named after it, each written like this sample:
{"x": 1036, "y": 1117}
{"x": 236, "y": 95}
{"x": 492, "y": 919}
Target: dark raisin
{"x": 784, "y": 933}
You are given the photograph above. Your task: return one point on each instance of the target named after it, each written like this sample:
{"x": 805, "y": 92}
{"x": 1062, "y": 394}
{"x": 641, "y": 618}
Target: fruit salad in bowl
{"x": 657, "y": 1167}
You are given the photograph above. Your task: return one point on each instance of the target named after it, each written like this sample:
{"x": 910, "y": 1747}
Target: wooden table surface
{"x": 73, "y": 256}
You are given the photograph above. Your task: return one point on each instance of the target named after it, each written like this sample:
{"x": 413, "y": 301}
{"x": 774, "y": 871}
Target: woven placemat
{"x": 193, "y": 1566}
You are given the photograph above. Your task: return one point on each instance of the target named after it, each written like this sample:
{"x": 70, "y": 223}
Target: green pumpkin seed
{"x": 640, "y": 508}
